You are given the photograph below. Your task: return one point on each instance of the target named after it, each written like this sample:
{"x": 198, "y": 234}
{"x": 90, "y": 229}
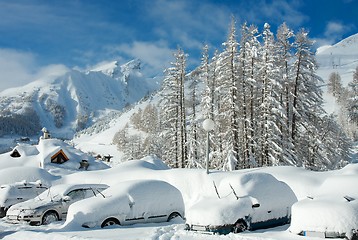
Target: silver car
{"x": 52, "y": 205}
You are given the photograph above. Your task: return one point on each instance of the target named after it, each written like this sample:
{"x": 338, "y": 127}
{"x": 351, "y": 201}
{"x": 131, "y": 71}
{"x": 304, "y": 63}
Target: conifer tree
{"x": 228, "y": 80}
{"x": 307, "y": 100}
{"x": 174, "y": 112}
{"x": 284, "y": 58}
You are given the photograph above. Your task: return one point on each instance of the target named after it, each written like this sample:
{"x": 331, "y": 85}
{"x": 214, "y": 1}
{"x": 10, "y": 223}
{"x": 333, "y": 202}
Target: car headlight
{"x": 28, "y": 212}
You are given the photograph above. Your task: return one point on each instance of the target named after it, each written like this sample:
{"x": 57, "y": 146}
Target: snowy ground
{"x": 303, "y": 183}
{"x": 160, "y": 231}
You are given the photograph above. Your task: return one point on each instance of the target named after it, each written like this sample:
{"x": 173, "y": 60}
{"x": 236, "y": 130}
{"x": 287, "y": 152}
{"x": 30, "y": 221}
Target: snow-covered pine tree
{"x": 193, "y": 136}
{"x": 307, "y": 101}
{"x": 181, "y": 65}
{"x": 150, "y": 119}
{"x": 174, "y": 113}
{"x": 270, "y": 107}
{"x": 284, "y": 58}
{"x": 353, "y": 101}
{"x": 169, "y": 114}
{"x": 227, "y": 81}
{"x": 247, "y": 84}
{"x": 217, "y": 155}
{"x": 335, "y": 84}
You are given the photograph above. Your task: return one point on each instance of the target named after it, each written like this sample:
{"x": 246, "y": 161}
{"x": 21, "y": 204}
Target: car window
{"x": 90, "y": 192}
{"x": 77, "y": 194}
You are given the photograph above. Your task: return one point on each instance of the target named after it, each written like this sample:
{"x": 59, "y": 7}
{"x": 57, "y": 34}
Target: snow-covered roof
{"x": 40, "y": 156}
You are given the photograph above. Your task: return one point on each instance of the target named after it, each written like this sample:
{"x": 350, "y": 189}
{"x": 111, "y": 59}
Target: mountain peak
{"x": 348, "y": 46}
{"x": 117, "y": 71}
{"x": 133, "y": 64}
{"x": 349, "y": 41}
{"x": 111, "y": 69}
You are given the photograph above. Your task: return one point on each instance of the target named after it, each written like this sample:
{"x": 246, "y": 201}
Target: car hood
{"x": 218, "y": 212}
{"x": 324, "y": 214}
{"x": 35, "y": 204}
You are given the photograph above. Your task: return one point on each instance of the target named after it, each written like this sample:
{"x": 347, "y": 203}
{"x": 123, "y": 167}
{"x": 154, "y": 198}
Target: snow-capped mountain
{"x": 341, "y": 58}
{"x": 339, "y": 55}
{"x": 72, "y": 101}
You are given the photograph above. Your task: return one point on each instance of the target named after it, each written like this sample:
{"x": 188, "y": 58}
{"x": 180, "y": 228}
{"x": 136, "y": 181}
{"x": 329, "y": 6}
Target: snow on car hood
{"x": 35, "y": 203}
{"x": 330, "y": 213}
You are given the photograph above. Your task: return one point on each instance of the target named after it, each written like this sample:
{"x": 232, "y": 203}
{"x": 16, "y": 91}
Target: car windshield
{"x": 50, "y": 194}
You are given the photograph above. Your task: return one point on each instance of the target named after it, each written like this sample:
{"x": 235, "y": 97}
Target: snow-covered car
{"x": 332, "y": 213}
{"x": 52, "y": 204}
{"x": 245, "y": 201}
{"x": 129, "y": 202}
{"x": 11, "y": 194}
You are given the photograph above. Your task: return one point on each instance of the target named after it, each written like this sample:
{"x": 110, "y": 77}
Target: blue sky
{"x": 42, "y": 37}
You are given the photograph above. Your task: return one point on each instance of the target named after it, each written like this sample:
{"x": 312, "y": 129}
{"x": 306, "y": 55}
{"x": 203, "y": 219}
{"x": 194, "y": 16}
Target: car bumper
{"x": 32, "y": 219}
{"x": 222, "y": 229}
{"x": 323, "y": 234}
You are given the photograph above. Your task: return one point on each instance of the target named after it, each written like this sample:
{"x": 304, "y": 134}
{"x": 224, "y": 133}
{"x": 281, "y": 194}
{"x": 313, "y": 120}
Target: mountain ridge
{"x": 75, "y": 99}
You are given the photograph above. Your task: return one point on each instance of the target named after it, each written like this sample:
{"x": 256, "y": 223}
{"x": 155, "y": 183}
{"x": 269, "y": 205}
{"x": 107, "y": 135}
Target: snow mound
{"x": 28, "y": 174}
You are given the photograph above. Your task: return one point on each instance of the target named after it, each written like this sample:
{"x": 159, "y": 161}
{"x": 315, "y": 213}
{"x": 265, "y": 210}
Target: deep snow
{"x": 193, "y": 183}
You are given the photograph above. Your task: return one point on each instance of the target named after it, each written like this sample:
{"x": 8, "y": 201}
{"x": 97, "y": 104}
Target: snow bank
{"x": 303, "y": 182}
{"x": 28, "y": 174}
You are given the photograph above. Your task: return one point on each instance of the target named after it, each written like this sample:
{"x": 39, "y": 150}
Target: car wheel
{"x": 49, "y": 217}
{"x": 173, "y": 215}
{"x": 239, "y": 226}
{"x": 110, "y": 222}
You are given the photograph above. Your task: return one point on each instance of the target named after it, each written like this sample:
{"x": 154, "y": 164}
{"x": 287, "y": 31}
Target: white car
{"x": 245, "y": 201}
{"x": 332, "y": 213}
{"x": 129, "y": 202}
{"x": 52, "y": 204}
{"x": 11, "y": 194}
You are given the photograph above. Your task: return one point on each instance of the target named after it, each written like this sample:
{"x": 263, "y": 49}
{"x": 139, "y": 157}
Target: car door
{"x": 71, "y": 197}
{"x": 135, "y": 214}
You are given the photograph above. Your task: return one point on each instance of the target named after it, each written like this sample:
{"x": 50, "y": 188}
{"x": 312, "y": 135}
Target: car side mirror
{"x": 66, "y": 198}
{"x": 255, "y": 205}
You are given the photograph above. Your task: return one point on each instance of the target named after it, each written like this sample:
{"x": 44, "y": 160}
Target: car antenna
{"x": 216, "y": 190}
{"x": 233, "y": 190}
